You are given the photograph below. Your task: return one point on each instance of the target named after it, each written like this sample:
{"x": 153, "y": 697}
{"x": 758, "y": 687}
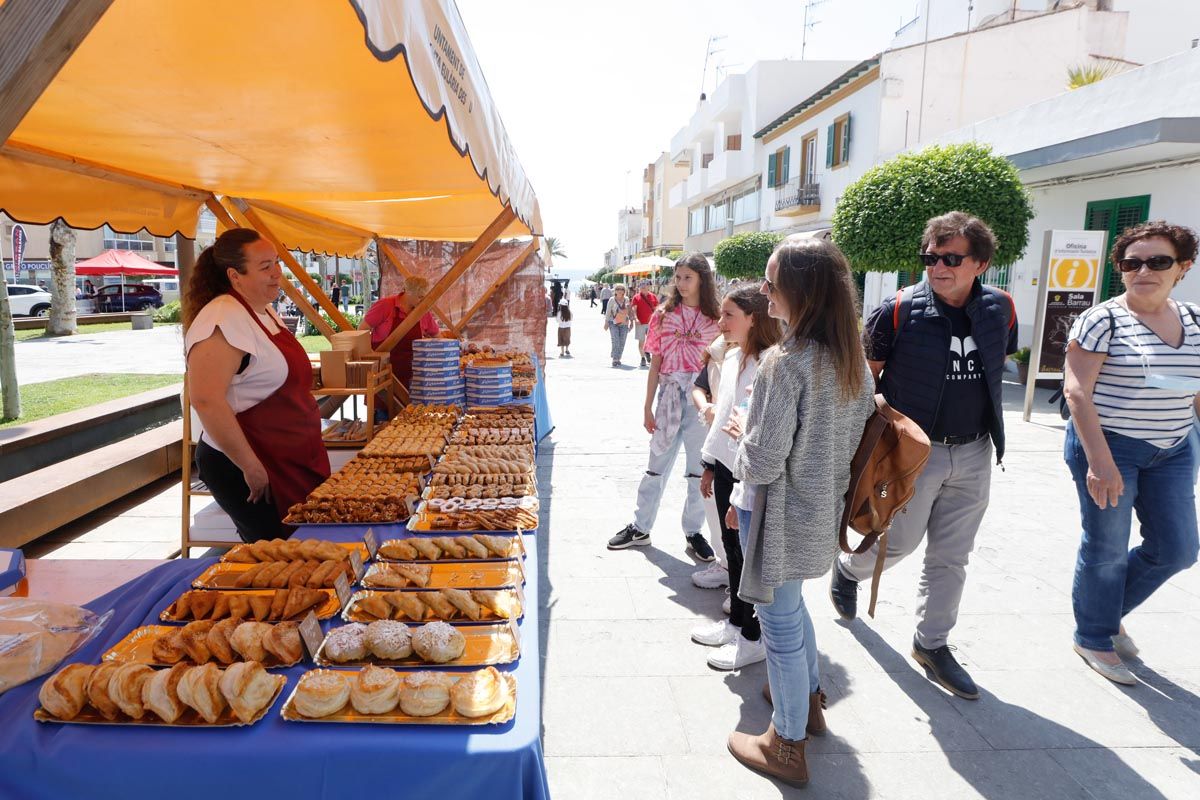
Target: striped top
{"x": 1125, "y": 403}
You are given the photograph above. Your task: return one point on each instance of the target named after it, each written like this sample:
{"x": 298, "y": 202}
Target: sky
{"x": 592, "y": 92}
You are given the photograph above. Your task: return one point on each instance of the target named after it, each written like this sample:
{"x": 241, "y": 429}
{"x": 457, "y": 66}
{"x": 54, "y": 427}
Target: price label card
{"x": 356, "y": 564}
{"x": 432, "y": 461}
{"x": 411, "y": 502}
{"x": 341, "y": 585}
{"x": 310, "y": 633}
{"x": 372, "y": 543}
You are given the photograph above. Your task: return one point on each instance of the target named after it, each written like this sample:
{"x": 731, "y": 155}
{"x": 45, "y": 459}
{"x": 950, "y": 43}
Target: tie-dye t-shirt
{"x": 680, "y": 337}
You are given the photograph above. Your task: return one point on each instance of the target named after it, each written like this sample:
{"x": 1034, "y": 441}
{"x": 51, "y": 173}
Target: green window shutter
{"x": 771, "y": 170}
{"x": 829, "y": 145}
{"x": 1113, "y": 217}
{"x": 846, "y": 140}
{"x": 787, "y": 165}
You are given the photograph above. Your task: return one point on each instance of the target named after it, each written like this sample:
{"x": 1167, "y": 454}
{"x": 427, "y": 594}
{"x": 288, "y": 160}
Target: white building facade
{"x": 629, "y": 234}
{"x": 664, "y": 226}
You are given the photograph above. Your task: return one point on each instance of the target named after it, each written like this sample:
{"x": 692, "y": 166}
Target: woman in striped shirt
{"x": 1132, "y": 377}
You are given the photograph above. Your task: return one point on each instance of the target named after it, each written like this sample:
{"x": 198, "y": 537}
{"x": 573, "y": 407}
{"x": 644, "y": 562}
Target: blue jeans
{"x": 787, "y": 631}
{"x": 1110, "y": 579}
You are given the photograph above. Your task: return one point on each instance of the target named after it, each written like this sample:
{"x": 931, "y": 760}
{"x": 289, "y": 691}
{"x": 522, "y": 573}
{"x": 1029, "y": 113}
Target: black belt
{"x": 953, "y": 440}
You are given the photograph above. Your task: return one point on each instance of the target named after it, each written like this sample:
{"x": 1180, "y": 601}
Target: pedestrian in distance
{"x": 591, "y": 296}
{"x": 618, "y": 319}
{"x": 605, "y": 295}
{"x": 810, "y": 399}
{"x": 1131, "y": 381}
{"x": 564, "y": 328}
{"x": 956, "y": 400}
{"x": 748, "y": 332}
{"x": 679, "y": 331}
{"x": 644, "y": 303}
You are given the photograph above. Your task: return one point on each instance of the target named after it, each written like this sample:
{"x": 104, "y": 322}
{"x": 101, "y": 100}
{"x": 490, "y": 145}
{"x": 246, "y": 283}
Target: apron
{"x": 284, "y": 430}
{"x": 402, "y": 353}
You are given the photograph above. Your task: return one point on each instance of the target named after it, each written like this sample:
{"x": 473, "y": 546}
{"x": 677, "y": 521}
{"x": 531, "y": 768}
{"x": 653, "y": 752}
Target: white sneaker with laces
{"x": 737, "y": 654}
{"x": 714, "y": 634}
{"x": 725, "y": 606}
{"x": 714, "y": 576}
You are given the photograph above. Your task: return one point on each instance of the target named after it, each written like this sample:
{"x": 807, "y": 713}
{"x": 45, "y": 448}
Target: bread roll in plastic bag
{"x": 35, "y": 636}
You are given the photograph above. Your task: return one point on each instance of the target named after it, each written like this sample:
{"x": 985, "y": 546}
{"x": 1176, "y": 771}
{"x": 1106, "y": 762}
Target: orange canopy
{"x": 336, "y": 121}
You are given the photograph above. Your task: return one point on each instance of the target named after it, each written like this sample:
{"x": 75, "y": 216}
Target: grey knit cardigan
{"x": 800, "y": 438}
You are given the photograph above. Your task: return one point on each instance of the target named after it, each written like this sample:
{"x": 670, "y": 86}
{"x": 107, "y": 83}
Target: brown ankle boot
{"x": 817, "y": 702}
{"x": 771, "y": 754}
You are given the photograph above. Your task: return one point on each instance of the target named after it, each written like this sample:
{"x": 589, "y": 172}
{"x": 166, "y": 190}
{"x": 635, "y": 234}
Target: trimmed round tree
{"x": 881, "y": 216}
{"x": 744, "y": 255}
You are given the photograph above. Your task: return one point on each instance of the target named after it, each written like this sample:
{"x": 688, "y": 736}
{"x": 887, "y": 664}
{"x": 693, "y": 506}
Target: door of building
{"x": 1114, "y": 216}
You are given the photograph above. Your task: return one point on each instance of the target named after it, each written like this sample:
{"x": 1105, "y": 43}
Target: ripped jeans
{"x": 690, "y": 435}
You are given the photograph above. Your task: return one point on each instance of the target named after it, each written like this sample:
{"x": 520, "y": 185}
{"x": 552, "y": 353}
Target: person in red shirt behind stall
{"x": 387, "y": 312}
{"x": 644, "y": 303}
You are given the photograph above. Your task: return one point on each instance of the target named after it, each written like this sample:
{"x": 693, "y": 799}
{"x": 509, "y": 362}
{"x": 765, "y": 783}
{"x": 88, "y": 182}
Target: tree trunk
{"x": 8, "y": 357}
{"x": 63, "y": 316}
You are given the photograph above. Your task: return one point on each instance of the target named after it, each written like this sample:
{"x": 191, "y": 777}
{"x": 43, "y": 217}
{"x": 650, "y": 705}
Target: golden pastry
{"x": 389, "y": 640}
{"x": 399, "y": 549}
{"x": 321, "y": 692}
{"x": 168, "y": 648}
{"x": 479, "y": 693}
{"x": 97, "y": 690}
{"x": 64, "y": 693}
{"x": 424, "y": 694}
{"x": 220, "y": 608}
{"x": 283, "y": 579}
{"x": 500, "y": 602}
{"x": 245, "y": 579}
{"x": 240, "y": 554}
{"x": 283, "y": 642}
{"x": 438, "y": 642}
{"x": 248, "y": 688}
{"x": 300, "y": 577}
{"x": 347, "y": 643}
{"x": 300, "y": 600}
{"x": 417, "y": 574}
{"x": 407, "y": 605}
{"x": 218, "y": 640}
{"x": 160, "y": 693}
{"x": 375, "y": 690}
{"x": 463, "y": 602}
{"x": 261, "y": 550}
{"x": 239, "y": 606}
{"x": 473, "y": 547}
{"x": 260, "y": 606}
{"x": 374, "y": 605}
{"x": 195, "y": 640}
{"x": 450, "y": 547}
{"x": 199, "y": 689}
{"x": 125, "y": 688}
{"x": 438, "y": 604}
{"x": 247, "y": 640}
{"x": 278, "y": 602}
{"x": 426, "y": 548}
{"x": 500, "y": 545}
{"x": 386, "y": 575}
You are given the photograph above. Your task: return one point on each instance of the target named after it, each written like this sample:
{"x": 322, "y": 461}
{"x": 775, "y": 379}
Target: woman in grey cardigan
{"x": 618, "y": 319}
{"x": 809, "y": 402}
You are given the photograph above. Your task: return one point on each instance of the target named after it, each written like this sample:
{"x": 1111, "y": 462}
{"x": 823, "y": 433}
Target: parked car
{"x": 138, "y": 297}
{"x": 28, "y": 300}
{"x": 167, "y": 287}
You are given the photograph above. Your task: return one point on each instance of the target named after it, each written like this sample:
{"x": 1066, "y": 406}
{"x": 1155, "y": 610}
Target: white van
{"x": 167, "y": 287}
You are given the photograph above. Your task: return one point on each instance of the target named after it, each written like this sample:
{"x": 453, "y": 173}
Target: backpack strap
{"x": 901, "y": 311}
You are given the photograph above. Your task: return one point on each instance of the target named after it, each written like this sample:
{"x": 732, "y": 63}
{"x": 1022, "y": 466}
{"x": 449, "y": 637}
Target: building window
{"x": 657, "y": 231}
{"x": 705, "y": 160}
{"x": 126, "y": 241}
{"x": 778, "y": 166}
{"x": 745, "y": 207}
{"x": 808, "y": 159}
{"x": 837, "y": 147}
{"x": 717, "y": 215}
{"x": 658, "y": 191}
{"x": 733, "y": 142}
{"x": 696, "y": 221}
{"x": 1114, "y": 216}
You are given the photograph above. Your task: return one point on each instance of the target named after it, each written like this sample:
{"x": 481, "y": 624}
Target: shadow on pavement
{"x": 1175, "y": 710}
{"x": 545, "y": 473}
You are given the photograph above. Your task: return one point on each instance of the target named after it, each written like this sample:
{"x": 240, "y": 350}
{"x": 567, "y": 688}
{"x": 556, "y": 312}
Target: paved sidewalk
{"x": 156, "y": 351}
{"x": 631, "y": 709}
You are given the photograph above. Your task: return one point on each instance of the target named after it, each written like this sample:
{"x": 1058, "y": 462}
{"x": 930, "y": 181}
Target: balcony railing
{"x": 795, "y": 195}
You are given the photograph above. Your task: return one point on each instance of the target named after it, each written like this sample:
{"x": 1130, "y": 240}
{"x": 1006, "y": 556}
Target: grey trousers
{"x": 951, "y": 498}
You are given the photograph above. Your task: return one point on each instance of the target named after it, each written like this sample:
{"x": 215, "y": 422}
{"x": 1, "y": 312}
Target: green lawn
{"x": 40, "y": 400}
{"x": 99, "y": 327}
{"x": 314, "y": 344}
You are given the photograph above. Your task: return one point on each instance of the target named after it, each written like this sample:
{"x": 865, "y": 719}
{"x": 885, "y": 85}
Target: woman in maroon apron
{"x": 261, "y": 449}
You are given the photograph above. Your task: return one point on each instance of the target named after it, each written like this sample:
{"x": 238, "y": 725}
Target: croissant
{"x": 64, "y": 693}
{"x": 248, "y": 688}
{"x": 97, "y": 690}
{"x": 125, "y": 688}
{"x": 160, "y": 693}
{"x": 199, "y": 689}
{"x": 195, "y": 640}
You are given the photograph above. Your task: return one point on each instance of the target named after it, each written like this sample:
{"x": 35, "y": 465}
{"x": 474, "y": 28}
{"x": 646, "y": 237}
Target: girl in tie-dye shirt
{"x": 679, "y": 331}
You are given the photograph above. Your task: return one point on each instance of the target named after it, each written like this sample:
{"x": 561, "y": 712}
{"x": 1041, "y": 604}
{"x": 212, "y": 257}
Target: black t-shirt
{"x": 966, "y": 405}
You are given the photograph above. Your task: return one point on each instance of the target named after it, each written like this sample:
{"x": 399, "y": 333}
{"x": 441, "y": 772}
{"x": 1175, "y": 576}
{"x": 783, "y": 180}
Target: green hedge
{"x": 880, "y": 217}
{"x": 311, "y": 330}
{"x": 171, "y": 312}
{"x": 744, "y": 255}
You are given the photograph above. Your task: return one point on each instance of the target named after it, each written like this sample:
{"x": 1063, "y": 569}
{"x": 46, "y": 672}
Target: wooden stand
{"x": 379, "y": 381}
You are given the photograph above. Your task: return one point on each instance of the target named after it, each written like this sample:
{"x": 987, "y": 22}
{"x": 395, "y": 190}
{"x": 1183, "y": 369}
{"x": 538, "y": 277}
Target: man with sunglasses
{"x": 937, "y": 351}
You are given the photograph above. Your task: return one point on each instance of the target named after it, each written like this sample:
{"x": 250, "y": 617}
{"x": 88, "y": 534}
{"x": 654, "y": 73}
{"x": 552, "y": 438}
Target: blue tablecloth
{"x": 272, "y": 759}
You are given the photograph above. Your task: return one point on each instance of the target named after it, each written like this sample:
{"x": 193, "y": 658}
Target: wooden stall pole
{"x": 39, "y": 36}
{"x": 285, "y": 255}
{"x": 294, "y": 294}
{"x": 464, "y": 262}
{"x": 496, "y": 284}
{"x": 437, "y": 312}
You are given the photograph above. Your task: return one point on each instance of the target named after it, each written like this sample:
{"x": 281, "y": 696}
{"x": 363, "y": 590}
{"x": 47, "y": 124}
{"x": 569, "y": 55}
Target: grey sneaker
{"x": 629, "y": 536}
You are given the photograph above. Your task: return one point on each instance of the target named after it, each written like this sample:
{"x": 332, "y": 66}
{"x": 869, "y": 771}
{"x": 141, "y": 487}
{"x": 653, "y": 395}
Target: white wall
{"x": 1159, "y": 28}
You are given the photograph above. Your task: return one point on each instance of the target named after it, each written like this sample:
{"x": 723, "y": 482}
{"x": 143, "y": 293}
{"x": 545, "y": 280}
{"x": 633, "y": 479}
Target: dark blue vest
{"x": 915, "y": 372}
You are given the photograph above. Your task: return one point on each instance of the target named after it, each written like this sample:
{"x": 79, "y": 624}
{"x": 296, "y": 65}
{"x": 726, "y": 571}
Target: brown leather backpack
{"x": 883, "y": 477}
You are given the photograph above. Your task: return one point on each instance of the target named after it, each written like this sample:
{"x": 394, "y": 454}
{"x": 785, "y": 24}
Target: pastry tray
{"x": 138, "y": 647}
{"x": 190, "y": 718}
{"x": 362, "y": 548}
{"x": 455, "y": 575}
{"x": 222, "y": 575}
{"x": 325, "y": 610}
{"x": 448, "y": 716}
{"x": 497, "y": 643}
{"x": 516, "y": 550}
{"x": 423, "y": 523}
{"x": 352, "y": 614}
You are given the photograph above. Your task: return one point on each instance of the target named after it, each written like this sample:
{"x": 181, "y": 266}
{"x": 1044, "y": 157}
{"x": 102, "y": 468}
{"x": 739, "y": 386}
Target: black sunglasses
{"x": 950, "y": 259}
{"x": 1156, "y": 263}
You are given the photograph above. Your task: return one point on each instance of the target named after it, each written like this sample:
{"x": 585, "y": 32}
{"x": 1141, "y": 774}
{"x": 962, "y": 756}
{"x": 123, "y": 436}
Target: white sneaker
{"x": 714, "y": 634}
{"x": 738, "y": 653}
{"x": 714, "y": 576}
{"x": 725, "y": 606}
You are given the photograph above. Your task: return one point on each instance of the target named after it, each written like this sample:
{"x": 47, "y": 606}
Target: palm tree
{"x": 554, "y": 247}
{"x": 1085, "y": 74}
